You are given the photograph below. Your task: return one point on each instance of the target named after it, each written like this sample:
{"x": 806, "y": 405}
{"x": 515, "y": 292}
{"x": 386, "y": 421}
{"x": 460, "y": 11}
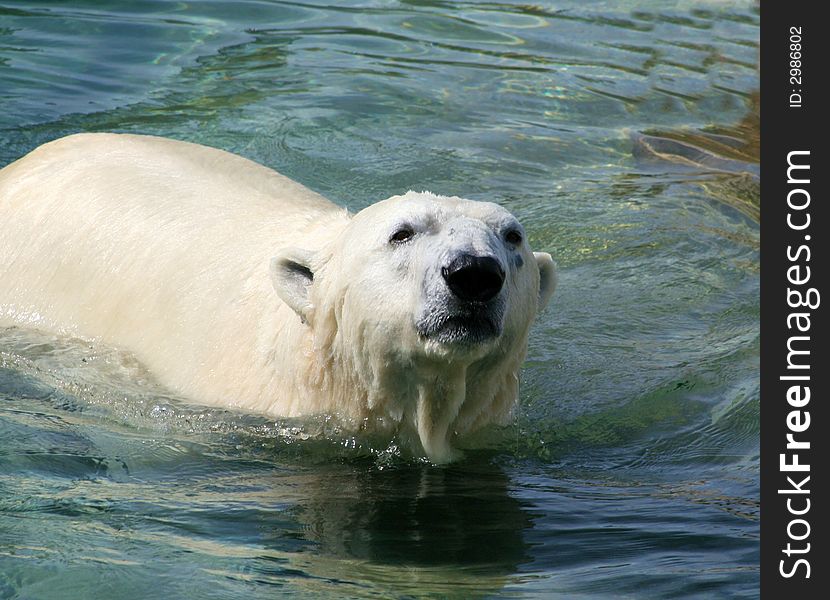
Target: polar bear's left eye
{"x": 402, "y": 235}
{"x": 513, "y": 237}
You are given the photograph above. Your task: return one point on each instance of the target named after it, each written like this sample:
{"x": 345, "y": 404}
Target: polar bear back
{"x": 137, "y": 240}
{"x": 177, "y": 177}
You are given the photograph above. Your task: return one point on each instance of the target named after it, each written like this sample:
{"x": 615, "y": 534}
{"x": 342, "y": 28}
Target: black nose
{"x": 474, "y": 277}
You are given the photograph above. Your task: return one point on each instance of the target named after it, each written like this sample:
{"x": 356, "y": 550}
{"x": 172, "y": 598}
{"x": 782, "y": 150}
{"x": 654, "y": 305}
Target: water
{"x": 623, "y": 135}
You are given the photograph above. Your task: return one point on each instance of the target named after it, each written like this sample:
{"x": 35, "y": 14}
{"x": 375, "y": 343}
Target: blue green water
{"x": 623, "y": 135}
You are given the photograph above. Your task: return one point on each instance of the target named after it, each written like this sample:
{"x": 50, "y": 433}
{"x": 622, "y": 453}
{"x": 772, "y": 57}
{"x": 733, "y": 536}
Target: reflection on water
{"x": 123, "y": 498}
{"x": 727, "y": 156}
{"x": 458, "y": 517}
{"x": 625, "y": 137}
{"x": 417, "y": 528}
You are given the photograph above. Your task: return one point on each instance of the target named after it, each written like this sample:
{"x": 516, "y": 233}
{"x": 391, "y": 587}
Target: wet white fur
{"x": 173, "y": 251}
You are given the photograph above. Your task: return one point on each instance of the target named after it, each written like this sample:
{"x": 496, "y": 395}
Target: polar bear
{"x": 237, "y": 286}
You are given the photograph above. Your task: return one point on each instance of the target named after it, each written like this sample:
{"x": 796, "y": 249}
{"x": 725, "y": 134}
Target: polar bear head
{"x": 419, "y": 311}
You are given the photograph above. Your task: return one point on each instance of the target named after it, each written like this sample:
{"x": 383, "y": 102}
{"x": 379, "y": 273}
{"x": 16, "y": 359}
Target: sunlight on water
{"x": 624, "y": 135}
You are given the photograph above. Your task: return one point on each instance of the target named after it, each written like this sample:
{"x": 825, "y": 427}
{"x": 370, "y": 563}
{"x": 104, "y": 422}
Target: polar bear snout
{"x": 474, "y": 278}
{"x": 465, "y": 306}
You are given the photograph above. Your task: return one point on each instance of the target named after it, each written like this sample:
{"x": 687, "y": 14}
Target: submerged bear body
{"x": 237, "y": 286}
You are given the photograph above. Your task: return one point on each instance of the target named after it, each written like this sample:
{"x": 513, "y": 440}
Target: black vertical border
{"x": 785, "y": 129}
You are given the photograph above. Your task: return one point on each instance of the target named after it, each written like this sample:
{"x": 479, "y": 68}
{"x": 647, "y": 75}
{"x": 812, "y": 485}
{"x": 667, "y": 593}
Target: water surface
{"x": 622, "y": 134}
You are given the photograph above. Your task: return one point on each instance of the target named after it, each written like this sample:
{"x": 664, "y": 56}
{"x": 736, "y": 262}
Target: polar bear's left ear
{"x": 292, "y": 276}
{"x": 547, "y": 278}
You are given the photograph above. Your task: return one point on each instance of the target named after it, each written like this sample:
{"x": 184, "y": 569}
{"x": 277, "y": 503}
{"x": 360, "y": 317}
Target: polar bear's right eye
{"x": 404, "y": 234}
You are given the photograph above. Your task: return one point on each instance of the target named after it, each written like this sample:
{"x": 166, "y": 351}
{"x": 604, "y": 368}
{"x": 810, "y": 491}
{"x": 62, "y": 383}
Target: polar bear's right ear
{"x": 291, "y": 275}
